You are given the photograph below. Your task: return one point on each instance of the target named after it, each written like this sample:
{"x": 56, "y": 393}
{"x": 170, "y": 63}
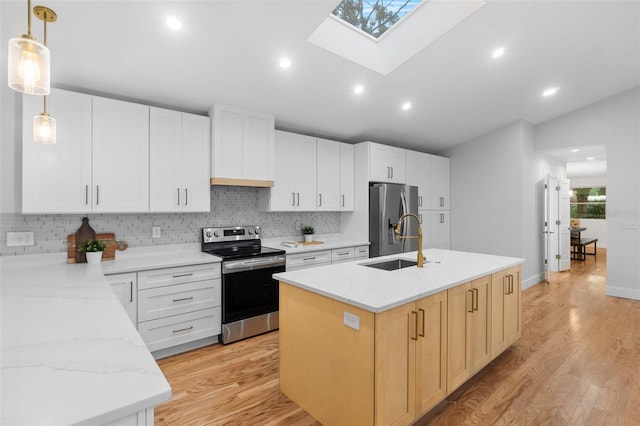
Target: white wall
{"x": 497, "y": 196}
{"x": 615, "y": 122}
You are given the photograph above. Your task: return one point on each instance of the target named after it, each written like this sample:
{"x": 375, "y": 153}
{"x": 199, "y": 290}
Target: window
{"x": 589, "y": 203}
{"x": 374, "y": 17}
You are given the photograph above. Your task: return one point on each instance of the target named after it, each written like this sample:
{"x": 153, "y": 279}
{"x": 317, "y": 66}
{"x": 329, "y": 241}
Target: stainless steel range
{"x": 249, "y": 294}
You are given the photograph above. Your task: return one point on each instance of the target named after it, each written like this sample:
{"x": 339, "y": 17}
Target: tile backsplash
{"x": 229, "y": 206}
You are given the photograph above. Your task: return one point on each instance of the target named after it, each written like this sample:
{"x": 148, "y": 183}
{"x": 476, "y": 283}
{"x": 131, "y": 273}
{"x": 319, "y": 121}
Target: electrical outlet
{"x": 156, "y": 232}
{"x": 19, "y": 239}
{"x": 351, "y": 320}
{"x": 298, "y": 226}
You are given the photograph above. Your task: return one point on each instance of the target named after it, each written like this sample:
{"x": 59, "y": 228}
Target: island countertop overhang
{"x": 377, "y": 290}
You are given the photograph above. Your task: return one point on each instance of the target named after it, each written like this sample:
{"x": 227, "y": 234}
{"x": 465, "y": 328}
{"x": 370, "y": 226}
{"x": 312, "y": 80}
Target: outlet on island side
{"x": 156, "y": 232}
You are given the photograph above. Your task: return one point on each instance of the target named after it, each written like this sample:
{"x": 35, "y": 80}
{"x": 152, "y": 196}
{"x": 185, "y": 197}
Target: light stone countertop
{"x": 69, "y": 352}
{"x": 378, "y": 290}
{"x": 329, "y": 242}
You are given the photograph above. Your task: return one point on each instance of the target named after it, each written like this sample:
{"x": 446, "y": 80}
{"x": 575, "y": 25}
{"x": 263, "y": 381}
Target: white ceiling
{"x": 228, "y": 51}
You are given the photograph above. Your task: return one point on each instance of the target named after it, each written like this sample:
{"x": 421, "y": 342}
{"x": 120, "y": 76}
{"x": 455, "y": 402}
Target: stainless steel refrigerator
{"x": 387, "y": 203}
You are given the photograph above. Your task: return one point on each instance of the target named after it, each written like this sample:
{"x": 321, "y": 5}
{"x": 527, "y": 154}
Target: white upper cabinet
{"x": 386, "y": 163}
{"x": 328, "y": 163}
{"x": 242, "y": 146}
{"x": 179, "y": 162}
{"x": 120, "y": 156}
{"x": 440, "y": 183}
{"x": 57, "y": 178}
{"x": 346, "y": 177}
{"x": 295, "y": 175}
{"x": 418, "y": 174}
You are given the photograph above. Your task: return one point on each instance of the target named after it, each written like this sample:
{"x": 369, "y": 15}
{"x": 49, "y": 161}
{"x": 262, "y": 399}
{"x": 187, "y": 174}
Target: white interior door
{"x": 553, "y": 263}
{"x": 564, "y": 219}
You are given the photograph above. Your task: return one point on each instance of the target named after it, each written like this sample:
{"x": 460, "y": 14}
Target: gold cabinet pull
{"x": 423, "y": 315}
{"x": 414, "y": 314}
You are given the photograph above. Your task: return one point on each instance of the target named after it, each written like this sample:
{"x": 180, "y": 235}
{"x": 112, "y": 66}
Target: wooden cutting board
{"x": 310, "y": 243}
{"x": 109, "y": 251}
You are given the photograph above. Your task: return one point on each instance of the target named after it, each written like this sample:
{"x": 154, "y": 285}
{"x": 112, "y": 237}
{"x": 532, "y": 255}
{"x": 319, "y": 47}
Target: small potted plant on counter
{"x": 93, "y": 250}
{"x": 308, "y": 231}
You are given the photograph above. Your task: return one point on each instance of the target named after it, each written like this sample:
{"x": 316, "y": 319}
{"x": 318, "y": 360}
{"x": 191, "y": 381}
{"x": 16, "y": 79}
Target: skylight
{"x": 374, "y": 17}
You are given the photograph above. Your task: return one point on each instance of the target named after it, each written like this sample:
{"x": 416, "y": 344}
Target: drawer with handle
{"x": 303, "y": 260}
{"x": 177, "y": 299}
{"x": 362, "y": 252}
{"x": 343, "y": 254}
{"x": 182, "y": 274}
{"x": 172, "y": 331}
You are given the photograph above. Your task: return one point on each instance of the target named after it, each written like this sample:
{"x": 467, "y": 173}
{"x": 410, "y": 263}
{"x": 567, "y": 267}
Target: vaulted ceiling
{"x": 229, "y": 52}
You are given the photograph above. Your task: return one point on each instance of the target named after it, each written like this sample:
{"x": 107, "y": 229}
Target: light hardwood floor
{"x": 577, "y": 363}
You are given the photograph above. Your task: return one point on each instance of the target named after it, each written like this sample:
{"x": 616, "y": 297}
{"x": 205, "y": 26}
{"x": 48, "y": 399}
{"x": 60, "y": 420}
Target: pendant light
{"x": 44, "y": 126}
{"x": 29, "y": 63}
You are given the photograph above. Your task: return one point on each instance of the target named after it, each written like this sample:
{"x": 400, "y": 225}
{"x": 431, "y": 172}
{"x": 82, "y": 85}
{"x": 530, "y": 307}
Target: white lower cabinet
{"x": 179, "y": 305}
{"x": 326, "y": 257}
{"x": 125, "y": 286}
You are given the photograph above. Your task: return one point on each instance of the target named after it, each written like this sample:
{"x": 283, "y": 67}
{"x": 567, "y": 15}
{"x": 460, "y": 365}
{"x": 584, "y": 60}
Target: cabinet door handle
{"x": 183, "y": 329}
{"x": 320, "y": 202}
{"x": 309, "y": 258}
{"x": 183, "y": 275}
{"x": 131, "y": 291}
{"x": 507, "y": 290}
{"x": 510, "y": 284}
{"x": 186, "y": 197}
{"x": 97, "y": 194}
{"x": 298, "y": 203}
{"x": 391, "y": 172}
{"x": 441, "y": 217}
{"x": 344, "y": 253}
{"x": 86, "y": 194}
{"x": 420, "y": 217}
{"x": 414, "y": 314}
{"x": 183, "y": 299}
{"x": 475, "y": 299}
{"x": 342, "y": 200}
{"x": 470, "y": 292}
{"x": 293, "y": 198}
{"x": 419, "y": 200}
{"x": 178, "y": 191}
{"x": 423, "y": 315}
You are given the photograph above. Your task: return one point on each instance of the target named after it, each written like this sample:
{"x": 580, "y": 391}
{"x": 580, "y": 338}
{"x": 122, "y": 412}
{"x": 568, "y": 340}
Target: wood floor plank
{"x": 577, "y": 363}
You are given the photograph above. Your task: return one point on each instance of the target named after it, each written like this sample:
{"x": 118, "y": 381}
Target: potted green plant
{"x": 308, "y": 231}
{"x": 93, "y": 250}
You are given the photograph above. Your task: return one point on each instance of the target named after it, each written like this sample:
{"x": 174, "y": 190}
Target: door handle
{"x": 391, "y": 172}
{"x": 131, "y": 291}
{"x": 470, "y": 292}
{"x": 320, "y": 201}
{"x": 97, "y": 194}
{"x": 86, "y": 194}
{"x": 507, "y": 290}
{"x": 298, "y": 203}
{"x": 342, "y": 200}
{"x": 178, "y": 191}
{"x": 441, "y": 217}
{"x": 414, "y": 314}
{"x": 293, "y": 198}
{"x": 423, "y": 315}
{"x": 475, "y": 299}
{"x": 186, "y": 197}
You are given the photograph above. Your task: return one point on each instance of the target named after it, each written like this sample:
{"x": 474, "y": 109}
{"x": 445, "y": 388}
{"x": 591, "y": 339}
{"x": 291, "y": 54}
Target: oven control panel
{"x": 230, "y": 233}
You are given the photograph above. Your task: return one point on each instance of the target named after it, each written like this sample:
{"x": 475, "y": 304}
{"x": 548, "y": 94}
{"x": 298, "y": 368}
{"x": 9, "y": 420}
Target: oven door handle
{"x": 249, "y": 264}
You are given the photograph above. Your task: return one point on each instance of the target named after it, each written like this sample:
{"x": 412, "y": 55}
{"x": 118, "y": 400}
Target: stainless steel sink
{"x": 391, "y": 265}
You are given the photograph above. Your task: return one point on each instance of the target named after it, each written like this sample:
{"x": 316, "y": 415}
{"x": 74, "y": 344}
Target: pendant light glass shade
{"x": 29, "y": 63}
{"x": 44, "y": 129}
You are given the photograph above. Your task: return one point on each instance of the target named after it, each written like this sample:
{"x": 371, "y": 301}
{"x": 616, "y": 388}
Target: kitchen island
{"x": 364, "y": 346}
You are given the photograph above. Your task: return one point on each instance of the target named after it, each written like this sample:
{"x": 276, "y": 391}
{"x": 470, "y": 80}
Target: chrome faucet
{"x": 419, "y": 236}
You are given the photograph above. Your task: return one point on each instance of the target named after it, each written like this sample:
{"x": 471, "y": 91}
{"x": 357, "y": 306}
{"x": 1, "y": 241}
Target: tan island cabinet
{"x": 469, "y": 327}
{"x": 506, "y": 321}
{"x": 392, "y": 368}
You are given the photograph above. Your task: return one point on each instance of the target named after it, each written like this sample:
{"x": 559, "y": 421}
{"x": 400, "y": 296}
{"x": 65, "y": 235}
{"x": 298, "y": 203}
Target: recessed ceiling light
{"x": 591, "y": 158}
{"x": 173, "y": 23}
{"x": 285, "y": 62}
{"x": 497, "y": 52}
{"x": 406, "y": 106}
{"x": 358, "y": 89}
{"x": 575, "y": 150}
{"x": 550, "y": 91}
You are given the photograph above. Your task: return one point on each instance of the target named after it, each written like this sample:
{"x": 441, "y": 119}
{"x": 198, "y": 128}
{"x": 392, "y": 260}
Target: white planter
{"x": 308, "y": 238}
{"x": 94, "y": 257}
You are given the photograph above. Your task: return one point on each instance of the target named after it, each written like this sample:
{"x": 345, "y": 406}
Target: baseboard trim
{"x": 626, "y": 293}
{"x": 530, "y": 282}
